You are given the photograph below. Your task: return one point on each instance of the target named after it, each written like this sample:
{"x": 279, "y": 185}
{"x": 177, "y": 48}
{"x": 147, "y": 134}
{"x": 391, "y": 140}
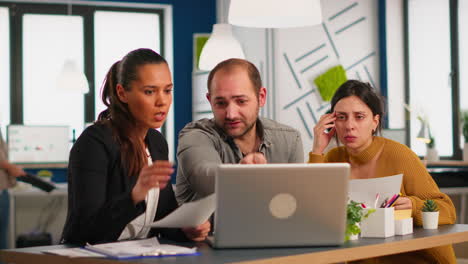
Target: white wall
{"x": 290, "y": 59}
{"x": 347, "y": 37}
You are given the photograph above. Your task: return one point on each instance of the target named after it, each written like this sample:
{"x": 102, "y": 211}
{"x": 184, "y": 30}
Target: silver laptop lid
{"x": 281, "y": 204}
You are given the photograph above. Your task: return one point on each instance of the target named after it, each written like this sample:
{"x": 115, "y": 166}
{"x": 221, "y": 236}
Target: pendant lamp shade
{"x": 275, "y": 13}
{"x": 221, "y": 45}
{"x": 72, "y": 79}
{"x": 424, "y": 134}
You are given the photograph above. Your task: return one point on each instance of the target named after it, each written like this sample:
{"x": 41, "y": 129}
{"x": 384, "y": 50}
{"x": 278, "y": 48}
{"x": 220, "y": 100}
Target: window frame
{"x": 455, "y": 78}
{"x": 18, "y": 9}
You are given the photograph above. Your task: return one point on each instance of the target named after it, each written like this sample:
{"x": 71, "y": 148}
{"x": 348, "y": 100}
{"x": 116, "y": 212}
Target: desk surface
{"x": 351, "y": 250}
{"x": 447, "y": 163}
{"x": 58, "y": 165}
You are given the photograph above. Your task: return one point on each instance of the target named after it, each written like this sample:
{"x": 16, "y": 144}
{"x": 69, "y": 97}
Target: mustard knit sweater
{"x": 417, "y": 185}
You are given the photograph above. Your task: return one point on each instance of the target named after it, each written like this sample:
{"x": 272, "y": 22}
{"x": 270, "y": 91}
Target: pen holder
{"x": 380, "y": 223}
{"x": 404, "y": 226}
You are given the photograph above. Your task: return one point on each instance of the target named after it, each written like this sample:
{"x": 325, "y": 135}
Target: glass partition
{"x": 430, "y": 88}
{"x": 114, "y": 37}
{"x": 49, "y": 40}
{"x": 4, "y": 70}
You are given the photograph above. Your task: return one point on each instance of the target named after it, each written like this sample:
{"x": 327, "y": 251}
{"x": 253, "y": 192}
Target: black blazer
{"x": 99, "y": 189}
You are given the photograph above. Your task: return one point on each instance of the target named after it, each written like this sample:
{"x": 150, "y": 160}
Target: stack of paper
{"x": 126, "y": 250}
{"x": 190, "y": 214}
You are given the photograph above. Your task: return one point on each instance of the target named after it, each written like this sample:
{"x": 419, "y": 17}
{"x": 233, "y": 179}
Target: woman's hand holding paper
{"x": 403, "y": 203}
{"x": 198, "y": 233}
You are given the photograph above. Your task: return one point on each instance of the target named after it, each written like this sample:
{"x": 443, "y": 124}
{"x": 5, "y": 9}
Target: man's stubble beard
{"x": 247, "y": 130}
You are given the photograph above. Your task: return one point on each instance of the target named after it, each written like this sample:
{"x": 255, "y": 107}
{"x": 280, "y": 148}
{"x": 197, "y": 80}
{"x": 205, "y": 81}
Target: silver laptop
{"x": 280, "y": 205}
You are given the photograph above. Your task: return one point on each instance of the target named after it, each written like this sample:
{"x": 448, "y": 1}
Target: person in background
{"x": 118, "y": 172}
{"x": 8, "y": 174}
{"x": 236, "y": 134}
{"x": 355, "y": 119}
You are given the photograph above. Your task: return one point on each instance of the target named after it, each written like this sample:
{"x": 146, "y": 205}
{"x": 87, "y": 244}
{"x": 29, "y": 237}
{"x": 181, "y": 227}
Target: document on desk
{"x": 139, "y": 248}
{"x": 126, "y": 250}
{"x": 190, "y": 214}
{"x": 74, "y": 253}
{"x": 366, "y": 190}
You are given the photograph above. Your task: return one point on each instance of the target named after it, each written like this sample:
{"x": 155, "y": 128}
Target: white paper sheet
{"x": 365, "y": 190}
{"x": 125, "y": 250}
{"x": 190, "y": 214}
{"x": 74, "y": 253}
{"x": 139, "y": 248}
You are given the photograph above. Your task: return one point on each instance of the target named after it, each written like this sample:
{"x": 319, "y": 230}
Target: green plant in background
{"x": 45, "y": 173}
{"x": 464, "y": 116}
{"x": 200, "y": 41}
{"x": 355, "y": 214}
{"x": 425, "y": 134}
{"x": 431, "y": 143}
{"x": 329, "y": 82}
{"x": 430, "y": 206}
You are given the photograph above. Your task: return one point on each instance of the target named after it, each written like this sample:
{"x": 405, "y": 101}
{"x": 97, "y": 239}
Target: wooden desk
{"x": 351, "y": 250}
{"x": 43, "y": 165}
{"x": 449, "y": 163}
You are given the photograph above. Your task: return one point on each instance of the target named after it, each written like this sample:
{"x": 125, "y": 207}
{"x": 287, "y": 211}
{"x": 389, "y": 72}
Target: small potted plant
{"x": 430, "y": 214}
{"x": 464, "y": 116}
{"x": 431, "y": 154}
{"x": 355, "y": 214}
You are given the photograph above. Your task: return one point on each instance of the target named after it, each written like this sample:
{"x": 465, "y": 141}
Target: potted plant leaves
{"x": 355, "y": 213}
{"x": 430, "y": 214}
{"x": 431, "y": 152}
{"x": 464, "y": 117}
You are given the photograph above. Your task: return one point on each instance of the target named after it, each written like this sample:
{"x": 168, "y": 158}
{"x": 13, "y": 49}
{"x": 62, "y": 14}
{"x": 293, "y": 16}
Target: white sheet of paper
{"x": 139, "y": 248}
{"x": 74, "y": 253}
{"x": 190, "y": 214}
{"x": 365, "y": 190}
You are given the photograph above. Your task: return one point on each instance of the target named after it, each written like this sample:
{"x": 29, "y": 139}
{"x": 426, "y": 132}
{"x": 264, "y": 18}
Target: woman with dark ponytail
{"x": 118, "y": 171}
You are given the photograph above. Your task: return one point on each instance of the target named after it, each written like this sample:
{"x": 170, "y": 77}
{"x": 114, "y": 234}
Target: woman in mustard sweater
{"x": 355, "y": 119}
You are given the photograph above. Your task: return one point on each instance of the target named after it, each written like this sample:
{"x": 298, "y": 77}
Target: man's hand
{"x": 254, "y": 158}
{"x": 12, "y": 169}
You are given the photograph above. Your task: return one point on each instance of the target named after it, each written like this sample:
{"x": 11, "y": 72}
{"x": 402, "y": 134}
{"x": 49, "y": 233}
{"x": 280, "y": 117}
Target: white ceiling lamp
{"x": 275, "y": 13}
{"x": 71, "y": 78}
{"x": 221, "y": 45}
{"x": 425, "y": 133}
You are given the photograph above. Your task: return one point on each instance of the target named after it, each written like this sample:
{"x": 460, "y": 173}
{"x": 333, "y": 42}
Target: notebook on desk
{"x": 279, "y": 205}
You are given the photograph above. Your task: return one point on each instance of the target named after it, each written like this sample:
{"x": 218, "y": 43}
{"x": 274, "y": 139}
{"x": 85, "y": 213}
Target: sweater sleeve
{"x": 419, "y": 186}
{"x": 315, "y": 158}
{"x": 334, "y": 155}
{"x": 93, "y": 215}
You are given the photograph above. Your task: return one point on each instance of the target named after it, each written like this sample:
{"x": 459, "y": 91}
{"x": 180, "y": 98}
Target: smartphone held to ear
{"x": 327, "y": 130}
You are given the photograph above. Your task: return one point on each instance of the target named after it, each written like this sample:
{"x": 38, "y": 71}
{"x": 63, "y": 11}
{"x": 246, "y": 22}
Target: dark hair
{"x": 232, "y": 64}
{"x": 363, "y": 91}
{"x": 117, "y": 114}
